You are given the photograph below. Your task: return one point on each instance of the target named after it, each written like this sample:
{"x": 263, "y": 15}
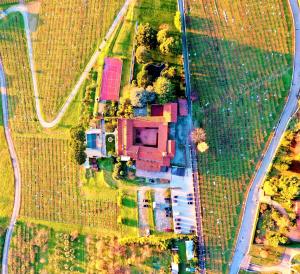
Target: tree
{"x": 202, "y": 147}
{"x": 77, "y": 133}
{"x": 146, "y": 36}
{"x": 143, "y": 78}
{"x": 139, "y": 97}
{"x": 274, "y": 238}
{"x": 177, "y": 21}
{"x": 78, "y": 152}
{"x": 143, "y": 55}
{"x": 165, "y": 90}
{"x": 270, "y": 188}
{"x": 169, "y": 73}
{"x": 170, "y": 45}
{"x": 198, "y": 135}
{"x": 162, "y": 35}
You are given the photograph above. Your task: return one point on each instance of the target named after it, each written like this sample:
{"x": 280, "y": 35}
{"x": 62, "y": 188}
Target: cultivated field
{"x": 40, "y": 249}
{"x": 66, "y": 35}
{"x": 241, "y": 65}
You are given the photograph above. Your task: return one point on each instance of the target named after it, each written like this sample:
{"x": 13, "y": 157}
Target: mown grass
{"x": 241, "y": 68}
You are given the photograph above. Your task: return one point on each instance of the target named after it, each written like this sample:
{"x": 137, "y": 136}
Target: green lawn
{"x": 265, "y": 256}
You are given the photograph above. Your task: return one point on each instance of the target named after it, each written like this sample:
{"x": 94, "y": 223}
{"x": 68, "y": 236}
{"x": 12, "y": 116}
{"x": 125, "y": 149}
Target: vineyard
{"x": 40, "y": 249}
{"x": 241, "y": 66}
{"x": 65, "y": 37}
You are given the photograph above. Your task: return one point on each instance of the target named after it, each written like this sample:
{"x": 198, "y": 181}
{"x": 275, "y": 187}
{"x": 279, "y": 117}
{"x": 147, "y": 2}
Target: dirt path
{"x": 17, "y": 175}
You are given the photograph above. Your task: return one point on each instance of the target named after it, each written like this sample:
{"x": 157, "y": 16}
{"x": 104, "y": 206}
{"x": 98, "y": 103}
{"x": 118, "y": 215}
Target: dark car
{"x": 146, "y": 201}
{"x": 178, "y": 227}
{"x": 167, "y": 199}
{"x": 190, "y": 194}
{"x": 146, "y": 205}
{"x": 175, "y": 196}
{"x": 177, "y": 219}
{"x": 190, "y": 199}
{"x": 178, "y": 224}
{"x": 190, "y": 203}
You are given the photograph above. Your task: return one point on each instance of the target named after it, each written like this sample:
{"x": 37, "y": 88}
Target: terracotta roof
{"x": 149, "y": 158}
{"x": 111, "y": 79}
{"x": 170, "y": 112}
{"x": 183, "y": 107}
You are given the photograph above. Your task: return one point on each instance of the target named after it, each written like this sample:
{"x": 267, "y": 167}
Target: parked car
{"x": 168, "y": 229}
{"x": 190, "y": 194}
{"x": 168, "y": 199}
{"x": 177, "y": 219}
{"x": 190, "y": 199}
{"x": 190, "y": 203}
{"x": 175, "y": 201}
{"x": 176, "y": 196}
{"x": 146, "y": 205}
{"x": 177, "y": 223}
{"x": 178, "y": 227}
{"x": 146, "y": 201}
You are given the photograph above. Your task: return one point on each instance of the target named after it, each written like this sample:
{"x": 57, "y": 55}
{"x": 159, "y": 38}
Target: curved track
{"x": 252, "y": 204}
{"x": 17, "y": 174}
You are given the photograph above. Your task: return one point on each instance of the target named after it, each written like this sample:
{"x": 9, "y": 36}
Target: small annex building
{"x": 111, "y": 79}
{"x": 146, "y": 139}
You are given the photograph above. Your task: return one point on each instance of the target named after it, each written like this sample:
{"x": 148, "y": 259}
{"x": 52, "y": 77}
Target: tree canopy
{"x": 165, "y": 90}
{"x": 143, "y": 55}
{"x": 146, "y": 36}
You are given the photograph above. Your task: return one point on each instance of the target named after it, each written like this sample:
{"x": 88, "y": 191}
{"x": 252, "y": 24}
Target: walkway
{"x": 252, "y": 204}
{"x": 17, "y": 175}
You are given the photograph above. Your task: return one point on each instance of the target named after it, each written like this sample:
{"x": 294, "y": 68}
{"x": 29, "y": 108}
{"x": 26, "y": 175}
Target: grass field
{"x": 241, "y": 66}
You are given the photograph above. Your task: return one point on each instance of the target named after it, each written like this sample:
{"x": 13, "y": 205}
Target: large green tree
{"x": 165, "y": 90}
{"x": 146, "y": 36}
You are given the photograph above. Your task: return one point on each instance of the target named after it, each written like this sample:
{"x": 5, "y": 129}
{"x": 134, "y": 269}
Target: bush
{"x": 78, "y": 152}
{"x": 139, "y": 97}
{"x": 77, "y": 133}
{"x": 143, "y": 78}
{"x": 169, "y": 73}
{"x": 146, "y": 36}
{"x": 171, "y": 45}
{"x": 177, "y": 21}
{"x": 125, "y": 109}
{"x": 116, "y": 171}
{"x": 143, "y": 55}
{"x": 162, "y": 35}
{"x": 165, "y": 90}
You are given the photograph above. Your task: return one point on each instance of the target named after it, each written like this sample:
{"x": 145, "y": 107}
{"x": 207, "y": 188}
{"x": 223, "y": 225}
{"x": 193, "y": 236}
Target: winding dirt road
{"x": 45, "y": 124}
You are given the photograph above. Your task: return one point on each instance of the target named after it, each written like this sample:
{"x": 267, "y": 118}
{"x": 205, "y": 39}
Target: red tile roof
{"x": 111, "y": 79}
{"x": 148, "y": 158}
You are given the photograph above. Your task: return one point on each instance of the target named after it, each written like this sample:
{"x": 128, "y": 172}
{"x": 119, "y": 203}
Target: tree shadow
{"x": 130, "y": 222}
{"x": 129, "y": 202}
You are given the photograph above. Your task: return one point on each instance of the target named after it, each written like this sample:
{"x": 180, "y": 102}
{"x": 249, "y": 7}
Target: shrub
{"x": 78, "y": 152}
{"x": 143, "y": 78}
{"x": 177, "y": 21}
{"x": 77, "y": 133}
{"x": 162, "y": 35}
{"x": 143, "y": 55}
{"x": 202, "y": 147}
{"x": 165, "y": 90}
{"x": 139, "y": 97}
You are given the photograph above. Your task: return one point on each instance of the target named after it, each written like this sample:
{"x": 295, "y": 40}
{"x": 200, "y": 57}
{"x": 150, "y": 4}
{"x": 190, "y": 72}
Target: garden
{"x": 241, "y": 68}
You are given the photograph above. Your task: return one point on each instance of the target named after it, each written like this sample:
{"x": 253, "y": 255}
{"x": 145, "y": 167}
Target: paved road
{"x": 193, "y": 152}
{"x": 17, "y": 175}
{"x": 252, "y": 204}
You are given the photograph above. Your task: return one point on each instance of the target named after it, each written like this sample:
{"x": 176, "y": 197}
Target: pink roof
{"x": 111, "y": 79}
{"x": 183, "y": 107}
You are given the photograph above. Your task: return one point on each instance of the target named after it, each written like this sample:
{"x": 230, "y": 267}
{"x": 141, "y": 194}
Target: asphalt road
{"x": 252, "y": 203}
{"x": 193, "y": 152}
{"x": 17, "y": 175}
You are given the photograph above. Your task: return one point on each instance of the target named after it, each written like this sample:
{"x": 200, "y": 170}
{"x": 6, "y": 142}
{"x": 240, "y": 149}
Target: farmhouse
{"x": 111, "y": 79}
{"x": 146, "y": 139}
